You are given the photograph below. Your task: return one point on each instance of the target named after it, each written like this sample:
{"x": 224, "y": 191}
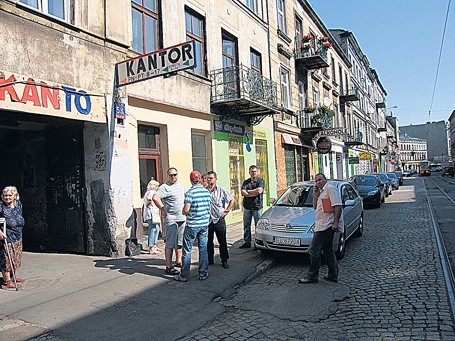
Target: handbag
{"x": 132, "y": 247}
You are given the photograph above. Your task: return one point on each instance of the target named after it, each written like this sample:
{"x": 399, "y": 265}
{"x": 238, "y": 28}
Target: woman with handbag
{"x": 11, "y": 248}
{"x": 151, "y": 215}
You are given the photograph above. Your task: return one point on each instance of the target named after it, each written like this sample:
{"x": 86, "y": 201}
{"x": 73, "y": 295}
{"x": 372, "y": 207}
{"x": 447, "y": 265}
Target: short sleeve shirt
{"x": 220, "y": 197}
{"x": 172, "y": 196}
{"x": 253, "y": 203}
{"x": 199, "y": 199}
{"x": 324, "y": 221}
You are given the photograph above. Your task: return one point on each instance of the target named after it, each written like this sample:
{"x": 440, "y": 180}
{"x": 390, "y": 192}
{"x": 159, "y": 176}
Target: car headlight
{"x": 263, "y": 224}
{"x": 373, "y": 192}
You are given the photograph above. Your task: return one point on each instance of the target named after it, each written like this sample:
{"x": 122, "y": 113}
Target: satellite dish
{"x": 327, "y": 101}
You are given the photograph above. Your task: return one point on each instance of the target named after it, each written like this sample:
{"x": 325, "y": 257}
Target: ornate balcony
{"x": 314, "y": 120}
{"x": 354, "y": 139}
{"x": 350, "y": 94}
{"x": 311, "y": 53}
{"x": 241, "y": 93}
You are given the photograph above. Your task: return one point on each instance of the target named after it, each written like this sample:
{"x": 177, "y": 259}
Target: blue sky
{"x": 402, "y": 40}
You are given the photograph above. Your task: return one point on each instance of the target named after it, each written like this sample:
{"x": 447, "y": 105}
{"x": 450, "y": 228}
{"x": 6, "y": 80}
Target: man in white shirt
{"x": 328, "y": 206}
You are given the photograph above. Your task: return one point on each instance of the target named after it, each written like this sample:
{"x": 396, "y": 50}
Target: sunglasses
{"x": 175, "y": 174}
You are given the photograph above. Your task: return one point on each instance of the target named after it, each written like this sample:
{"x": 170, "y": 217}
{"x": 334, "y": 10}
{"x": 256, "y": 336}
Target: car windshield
{"x": 297, "y": 196}
{"x": 383, "y": 177}
{"x": 392, "y": 175}
{"x": 365, "y": 180}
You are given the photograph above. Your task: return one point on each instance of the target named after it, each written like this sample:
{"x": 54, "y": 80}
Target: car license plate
{"x": 286, "y": 241}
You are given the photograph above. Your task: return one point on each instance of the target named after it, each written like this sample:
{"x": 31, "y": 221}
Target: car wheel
{"x": 359, "y": 231}
{"x": 341, "y": 251}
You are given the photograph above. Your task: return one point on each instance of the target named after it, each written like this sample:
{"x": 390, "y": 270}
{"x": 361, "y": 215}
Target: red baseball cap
{"x": 195, "y": 174}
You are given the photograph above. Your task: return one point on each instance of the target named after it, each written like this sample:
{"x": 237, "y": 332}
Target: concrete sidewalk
{"x": 84, "y": 297}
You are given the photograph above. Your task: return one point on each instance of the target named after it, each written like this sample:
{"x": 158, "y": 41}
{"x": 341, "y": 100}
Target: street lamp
{"x": 394, "y": 107}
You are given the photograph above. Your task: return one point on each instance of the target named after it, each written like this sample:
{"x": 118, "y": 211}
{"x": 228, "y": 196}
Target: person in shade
{"x": 328, "y": 206}
{"x": 197, "y": 211}
{"x": 169, "y": 200}
{"x": 252, "y": 192}
{"x": 218, "y": 211}
{"x": 11, "y": 210}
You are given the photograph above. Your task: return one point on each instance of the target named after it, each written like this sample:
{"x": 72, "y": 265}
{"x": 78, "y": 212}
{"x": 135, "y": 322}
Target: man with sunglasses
{"x": 169, "y": 200}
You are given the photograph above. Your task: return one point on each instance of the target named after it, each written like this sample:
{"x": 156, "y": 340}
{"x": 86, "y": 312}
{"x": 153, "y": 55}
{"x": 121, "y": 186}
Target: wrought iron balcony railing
{"x": 311, "y": 53}
{"x": 356, "y": 139}
{"x": 350, "y": 94}
{"x": 239, "y": 90}
{"x": 316, "y": 119}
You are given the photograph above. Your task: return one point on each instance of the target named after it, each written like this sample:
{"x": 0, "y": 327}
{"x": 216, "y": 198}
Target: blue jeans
{"x": 154, "y": 231}
{"x": 191, "y": 233}
{"x": 247, "y": 217}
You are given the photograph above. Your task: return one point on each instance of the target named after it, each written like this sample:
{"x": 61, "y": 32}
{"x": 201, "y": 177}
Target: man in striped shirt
{"x": 197, "y": 210}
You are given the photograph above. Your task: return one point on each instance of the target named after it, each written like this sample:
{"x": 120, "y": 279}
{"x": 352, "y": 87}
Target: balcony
{"x": 381, "y": 130}
{"x": 241, "y": 93}
{"x": 314, "y": 120}
{"x": 350, "y": 94}
{"x": 311, "y": 53}
{"x": 354, "y": 139}
{"x": 380, "y": 105}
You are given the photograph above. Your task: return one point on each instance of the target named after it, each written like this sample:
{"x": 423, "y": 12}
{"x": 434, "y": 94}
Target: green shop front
{"x": 236, "y": 148}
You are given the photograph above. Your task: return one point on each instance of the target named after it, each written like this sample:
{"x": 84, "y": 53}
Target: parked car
{"x": 399, "y": 174}
{"x": 407, "y": 173}
{"x": 370, "y": 188}
{"x": 288, "y": 225}
{"x": 448, "y": 171}
{"x": 387, "y": 182}
{"x": 395, "y": 181}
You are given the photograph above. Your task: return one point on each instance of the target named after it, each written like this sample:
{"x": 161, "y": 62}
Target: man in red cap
{"x": 197, "y": 210}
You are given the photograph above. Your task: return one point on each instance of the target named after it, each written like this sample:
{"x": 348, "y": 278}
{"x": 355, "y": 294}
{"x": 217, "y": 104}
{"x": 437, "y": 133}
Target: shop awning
{"x": 296, "y": 140}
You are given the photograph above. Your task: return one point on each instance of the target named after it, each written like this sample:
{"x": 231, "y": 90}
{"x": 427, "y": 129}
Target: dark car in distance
{"x": 370, "y": 188}
{"x": 387, "y": 183}
{"x": 395, "y": 180}
{"x": 399, "y": 174}
{"x": 448, "y": 171}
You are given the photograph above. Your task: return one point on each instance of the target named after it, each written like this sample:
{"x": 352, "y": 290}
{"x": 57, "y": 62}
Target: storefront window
{"x": 289, "y": 155}
{"x": 149, "y": 155}
{"x": 261, "y": 163}
{"x": 236, "y": 169}
{"x": 199, "y": 152}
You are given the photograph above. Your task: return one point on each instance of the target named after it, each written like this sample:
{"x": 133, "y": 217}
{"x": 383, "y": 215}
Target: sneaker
{"x": 178, "y": 265}
{"x": 180, "y": 279}
{"x": 203, "y": 277}
{"x": 245, "y": 246}
{"x": 305, "y": 280}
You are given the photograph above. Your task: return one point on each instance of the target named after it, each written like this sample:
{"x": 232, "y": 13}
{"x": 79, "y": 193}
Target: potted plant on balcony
{"x": 323, "y": 117}
{"x": 309, "y": 109}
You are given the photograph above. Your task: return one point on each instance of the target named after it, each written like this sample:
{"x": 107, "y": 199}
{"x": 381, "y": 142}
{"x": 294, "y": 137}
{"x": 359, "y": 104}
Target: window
{"x": 199, "y": 152}
{"x": 149, "y": 155}
{"x": 315, "y": 97}
{"x": 145, "y": 15}
{"x": 236, "y": 170}
{"x": 256, "y": 63}
{"x": 253, "y": 5}
{"x": 229, "y": 60}
{"x": 334, "y": 76}
{"x": 262, "y": 164}
{"x": 195, "y": 29}
{"x": 285, "y": 88}
{"x": 281, "y": 17}
{"x": 298, "y": 27}
{"x": 57, "y": 8}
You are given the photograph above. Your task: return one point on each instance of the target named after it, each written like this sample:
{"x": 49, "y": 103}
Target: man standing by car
{"x": 169, "y": 200}
{"x": 220, "y": 197}
{"x": 252, "y": 192}
{"x": 327, "y": 203}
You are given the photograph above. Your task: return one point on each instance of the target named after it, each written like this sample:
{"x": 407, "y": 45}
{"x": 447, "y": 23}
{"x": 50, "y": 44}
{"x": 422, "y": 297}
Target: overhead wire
{"x": 439, "y": 60}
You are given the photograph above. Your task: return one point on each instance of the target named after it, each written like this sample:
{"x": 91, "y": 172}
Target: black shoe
{"x": 305, "y": 280}
{"x": 327, "y": 278}
{"x": 225, "y": 264}
{"x": 245, "y": 246}
{"x": 178, "y": 265}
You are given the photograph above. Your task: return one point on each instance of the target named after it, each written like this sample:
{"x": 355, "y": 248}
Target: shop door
{"x": 66, "y": 224}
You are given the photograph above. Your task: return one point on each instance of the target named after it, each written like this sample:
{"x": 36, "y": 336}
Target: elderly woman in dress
{"x": 11, "y": 210}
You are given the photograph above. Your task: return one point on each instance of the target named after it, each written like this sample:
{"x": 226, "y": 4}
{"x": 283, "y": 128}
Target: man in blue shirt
{"x": 197, "y": 210}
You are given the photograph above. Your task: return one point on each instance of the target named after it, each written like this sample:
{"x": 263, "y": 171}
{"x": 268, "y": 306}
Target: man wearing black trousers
{"x": 217, "y": 225}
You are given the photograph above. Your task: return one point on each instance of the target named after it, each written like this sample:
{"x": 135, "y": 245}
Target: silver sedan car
{"x": 288, "y": 225}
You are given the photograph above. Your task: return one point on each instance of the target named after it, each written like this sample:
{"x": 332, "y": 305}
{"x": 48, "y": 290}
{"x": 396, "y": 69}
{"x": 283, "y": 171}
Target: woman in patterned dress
{"x": 11, "y": 210}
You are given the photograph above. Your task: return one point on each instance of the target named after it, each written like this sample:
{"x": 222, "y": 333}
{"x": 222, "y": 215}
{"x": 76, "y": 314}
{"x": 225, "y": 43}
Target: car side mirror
{"x": 349, "y": 203}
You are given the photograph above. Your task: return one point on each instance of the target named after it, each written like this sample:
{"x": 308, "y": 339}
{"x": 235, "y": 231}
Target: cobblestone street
{"x": 392, "y": 275}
